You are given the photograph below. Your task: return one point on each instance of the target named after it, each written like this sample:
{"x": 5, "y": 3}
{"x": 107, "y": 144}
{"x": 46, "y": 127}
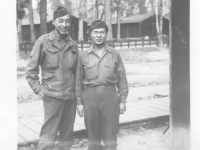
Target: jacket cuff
{"x": 122, "y": 99}
{"x": 79, "y": 101}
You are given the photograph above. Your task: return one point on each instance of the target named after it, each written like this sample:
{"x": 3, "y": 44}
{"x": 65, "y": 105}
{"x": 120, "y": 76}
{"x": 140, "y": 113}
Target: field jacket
{"x": 58, "y": 67}
{"x": 107, "y": 70}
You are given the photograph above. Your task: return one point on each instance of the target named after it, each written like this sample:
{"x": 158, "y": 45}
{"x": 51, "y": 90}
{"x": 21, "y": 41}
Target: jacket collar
{"x": 107, "y": 48}
{"x": 52, "y": 38}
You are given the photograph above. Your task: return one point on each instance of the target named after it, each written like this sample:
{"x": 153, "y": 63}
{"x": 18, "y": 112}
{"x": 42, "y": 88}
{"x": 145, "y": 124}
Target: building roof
{"x": 132, "y": 19}
{"x": 129, "y": 19}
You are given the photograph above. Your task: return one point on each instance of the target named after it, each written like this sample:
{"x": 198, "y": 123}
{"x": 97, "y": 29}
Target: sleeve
{"x": 122, "y": 84}
{"x": 79, "y": 80}
{"x": 32, "y": 68}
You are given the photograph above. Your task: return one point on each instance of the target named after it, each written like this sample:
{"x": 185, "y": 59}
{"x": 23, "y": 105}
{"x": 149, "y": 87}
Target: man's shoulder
{"x": 43, "y": 37}
{"x": 74, "y": 43}
{"x": 113, "y": 50}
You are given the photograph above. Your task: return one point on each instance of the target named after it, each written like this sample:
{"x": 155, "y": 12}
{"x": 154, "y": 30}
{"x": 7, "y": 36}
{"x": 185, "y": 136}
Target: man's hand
{"x": 40, "y": 94}
{"x": 80, "y": 110}
{"x": 122, "y": 107}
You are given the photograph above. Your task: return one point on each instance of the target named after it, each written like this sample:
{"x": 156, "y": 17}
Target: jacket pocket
{"x": 90, "y": 71}
{"x": 48, "y": 80}
{"x": 52, "y": 58}
{"x": 47, "y": 76}
{"x": 110, "y": 68}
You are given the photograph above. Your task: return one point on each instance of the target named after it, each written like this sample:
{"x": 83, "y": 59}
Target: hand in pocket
{"x": 40, "y": 95}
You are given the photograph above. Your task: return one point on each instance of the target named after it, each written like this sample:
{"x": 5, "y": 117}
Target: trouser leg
{"x": 110, "y": 118}
{"x": 65, "y": 137}
{"x": 92, "y": 119}
{"x": 53, "y": 114}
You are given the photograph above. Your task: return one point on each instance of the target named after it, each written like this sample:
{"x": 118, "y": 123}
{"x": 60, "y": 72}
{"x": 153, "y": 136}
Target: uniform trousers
{"x": 58, "y": 124}
{"x": 101, "y": 110}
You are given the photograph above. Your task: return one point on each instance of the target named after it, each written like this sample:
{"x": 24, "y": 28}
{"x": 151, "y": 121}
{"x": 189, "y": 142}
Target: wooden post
{"x": 156, "y": 41}
{"x": 25, "y": 48}
{"x": 150, "y": 42}
{"x": 82, "y": 45}
{"x": 128, "y": 43}
{"x": 142, "y": 41}
{"x": 135, "y": 43}
{"x": 180, "y": 75}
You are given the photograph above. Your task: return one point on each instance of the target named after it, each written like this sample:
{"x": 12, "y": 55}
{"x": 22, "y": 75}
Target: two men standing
{"x": 98, "y": 75}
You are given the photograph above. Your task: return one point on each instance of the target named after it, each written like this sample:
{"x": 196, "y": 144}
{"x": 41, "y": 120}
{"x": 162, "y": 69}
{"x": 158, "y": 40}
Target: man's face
{"x": 98, "y": 35}
{"x": 62, "y": 24}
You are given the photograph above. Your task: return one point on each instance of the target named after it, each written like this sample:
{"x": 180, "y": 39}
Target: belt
{"x": 101, "y": 87}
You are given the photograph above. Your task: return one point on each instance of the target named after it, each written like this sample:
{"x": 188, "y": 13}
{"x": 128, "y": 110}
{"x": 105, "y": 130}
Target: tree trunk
{"x": 43, "y": 17}
{"x": 108, "y": 19}
{"x": 161, "y": 23}
{"x": 19, "y": 30}
{"x": 170, "y": 25}
{"x": 68, "y": 6}
{"x": 118, "y": 21}
{"x": 82, "y": 14}
{"x": 55, "y": 4}
{"x": 101, "y": 13}
{"x": 32, "y": 28}
{"x": 17, "y": 46}
{"x": 159, "y": 32}
{"x": 95, "y": 12}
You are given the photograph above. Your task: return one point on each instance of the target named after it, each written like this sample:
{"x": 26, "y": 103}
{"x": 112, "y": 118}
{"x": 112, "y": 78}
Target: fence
{"x": 122, "y": 44}
{"x": 126, "y": 43}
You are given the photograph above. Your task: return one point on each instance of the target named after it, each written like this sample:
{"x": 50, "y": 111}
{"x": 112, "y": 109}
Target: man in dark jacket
{"x": 101, "y": 89}
{"x": 57, "y": 56}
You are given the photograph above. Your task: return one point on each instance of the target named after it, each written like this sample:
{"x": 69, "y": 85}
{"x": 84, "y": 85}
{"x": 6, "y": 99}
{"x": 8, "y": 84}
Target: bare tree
{"x": 95, "y": 12}
{"x": 32, "y": 28}
{"x": 20, "y": 5}
{"x": 159, "y": 20}
{"x": 55, "y": 4}
{"x": 20, "y": 15}
{"x": 161, "y": 23}
{"x": 43, "y": 16}
{"x": 68, "y": 6}
{"x": 118, "y": 20}
{"x": 82, "y": 15}
{"x": 101, "y": 9}
{"x": 170, "y": 25}
{"x": 108, "y": 18}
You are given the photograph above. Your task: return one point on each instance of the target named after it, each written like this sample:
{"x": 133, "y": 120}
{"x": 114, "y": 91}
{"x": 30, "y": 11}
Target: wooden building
{"x": 26, "y": 36}
{"x": 139, "y": 26}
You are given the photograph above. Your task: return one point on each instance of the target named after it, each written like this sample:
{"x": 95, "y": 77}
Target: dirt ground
{"x": 148, "y": 76}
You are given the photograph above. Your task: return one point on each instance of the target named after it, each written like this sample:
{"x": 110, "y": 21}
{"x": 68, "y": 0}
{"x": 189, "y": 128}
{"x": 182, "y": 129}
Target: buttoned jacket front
{"x": 107, "y": 70}
{"x": 58, "y": 67}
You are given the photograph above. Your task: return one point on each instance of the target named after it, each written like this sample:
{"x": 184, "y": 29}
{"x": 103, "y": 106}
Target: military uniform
{"x": 101, "y": 84}
{"x": 58, "y": 66}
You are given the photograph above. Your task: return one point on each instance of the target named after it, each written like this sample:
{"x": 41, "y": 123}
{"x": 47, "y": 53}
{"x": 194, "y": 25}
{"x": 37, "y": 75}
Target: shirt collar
{"x": 91, "y": 49}
{"x": 52, "y": 37}
{"x": 58, "y": 38}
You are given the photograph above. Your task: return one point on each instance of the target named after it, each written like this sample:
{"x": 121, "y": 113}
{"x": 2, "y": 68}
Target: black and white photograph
{"x": 104, "y": 75}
